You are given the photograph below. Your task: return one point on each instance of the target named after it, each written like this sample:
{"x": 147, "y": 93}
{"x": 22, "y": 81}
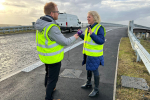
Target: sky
{"x": 24, "y": 12}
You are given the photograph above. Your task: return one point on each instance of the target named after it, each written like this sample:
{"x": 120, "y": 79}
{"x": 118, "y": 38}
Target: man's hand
{"x": 76, "y": 36}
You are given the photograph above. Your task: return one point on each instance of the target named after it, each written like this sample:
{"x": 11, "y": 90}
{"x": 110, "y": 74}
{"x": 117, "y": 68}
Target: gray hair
{"x": 96, "y": 16}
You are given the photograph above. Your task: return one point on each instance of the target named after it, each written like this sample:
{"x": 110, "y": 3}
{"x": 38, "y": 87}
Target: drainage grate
{"x": 71, "y": 73}
{"x": 133, "y": 82}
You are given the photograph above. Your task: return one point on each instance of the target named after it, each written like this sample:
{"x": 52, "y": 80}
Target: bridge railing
{"x": 25, "y": 28}
{"x": 15, "y": 28}
{"x": 105, "y": 24}
{"x": 141, "y": 53}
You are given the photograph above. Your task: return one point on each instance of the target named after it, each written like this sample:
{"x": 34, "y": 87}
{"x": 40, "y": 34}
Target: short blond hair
{"x": 49, "y": 7}
{"x": 96, "y": 16}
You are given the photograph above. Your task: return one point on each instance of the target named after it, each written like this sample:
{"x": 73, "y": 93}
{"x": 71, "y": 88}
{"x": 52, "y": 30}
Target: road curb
{"x": 114, "y": 93}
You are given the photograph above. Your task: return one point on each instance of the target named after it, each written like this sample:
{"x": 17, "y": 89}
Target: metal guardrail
{"x": 84, "y": 24}
{"x": 105, "y": 24}
{"x": 25, "y": 28}
{"x": 16, "y": 28}
{"x": 141, "y": 53}
{"x": 112, "y": 24}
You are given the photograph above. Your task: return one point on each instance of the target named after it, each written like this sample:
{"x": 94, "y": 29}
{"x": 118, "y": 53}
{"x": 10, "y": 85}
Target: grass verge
{"x": 128, "y": 66}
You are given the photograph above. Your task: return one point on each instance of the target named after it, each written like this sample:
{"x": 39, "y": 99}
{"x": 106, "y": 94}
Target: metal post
{"x": 147, "y": 35}
{"x": 33, "y": 24}
{"x": 135, "y": 52}
{"x": 138, "y": 57}
{"x": 141, "y": 35}
{"x": 136, "y": 34}
{"x": 9, "y": 30}
{"x": 132, "y": 25}
{"x": 129, "y": 27}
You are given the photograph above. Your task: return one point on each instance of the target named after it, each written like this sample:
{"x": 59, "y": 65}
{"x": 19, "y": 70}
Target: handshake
{"x": 78, "y": 34}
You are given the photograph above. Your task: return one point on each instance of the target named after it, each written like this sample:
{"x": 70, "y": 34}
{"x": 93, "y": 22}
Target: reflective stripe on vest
{"x": 91, "y": 43}
{"x": 50, "y": 54}
{"x": 91, "y": 48}
{"x": 46, "y": 46}
{"x": 49, "y": 51}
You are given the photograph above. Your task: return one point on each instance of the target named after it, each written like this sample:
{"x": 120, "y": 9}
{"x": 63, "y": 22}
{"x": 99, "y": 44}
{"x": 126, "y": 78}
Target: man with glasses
{"x": 50, "y": 44}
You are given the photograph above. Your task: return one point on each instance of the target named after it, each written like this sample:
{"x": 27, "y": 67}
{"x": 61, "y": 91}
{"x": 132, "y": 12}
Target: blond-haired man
{"x": 50, "y": 44}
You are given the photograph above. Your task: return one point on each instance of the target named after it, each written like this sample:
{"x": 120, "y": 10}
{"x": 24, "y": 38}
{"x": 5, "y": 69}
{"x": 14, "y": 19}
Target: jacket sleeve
{"x": 82, "y": 36}
{"x": 55, "y": 35}
{"x": 99, "y": 38}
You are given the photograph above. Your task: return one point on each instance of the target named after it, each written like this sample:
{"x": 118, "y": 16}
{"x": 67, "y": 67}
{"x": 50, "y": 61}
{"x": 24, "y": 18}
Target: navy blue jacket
{"x": 92, "y": 63}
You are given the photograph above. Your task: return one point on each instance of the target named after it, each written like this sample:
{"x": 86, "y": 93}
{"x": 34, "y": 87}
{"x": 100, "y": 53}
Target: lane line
{"x": 10, "y": 75}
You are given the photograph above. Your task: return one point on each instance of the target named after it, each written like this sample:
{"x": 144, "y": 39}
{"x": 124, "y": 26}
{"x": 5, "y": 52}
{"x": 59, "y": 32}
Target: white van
{"x": 68, "y": 22}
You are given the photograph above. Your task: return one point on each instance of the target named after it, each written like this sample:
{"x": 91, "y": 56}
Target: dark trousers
{"x": 96, "y": 73}
{"x": 51, "y": 78}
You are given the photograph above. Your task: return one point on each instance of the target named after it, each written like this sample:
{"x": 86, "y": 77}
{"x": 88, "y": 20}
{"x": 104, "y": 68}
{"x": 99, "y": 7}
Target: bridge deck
{"x": 30, "y": 86}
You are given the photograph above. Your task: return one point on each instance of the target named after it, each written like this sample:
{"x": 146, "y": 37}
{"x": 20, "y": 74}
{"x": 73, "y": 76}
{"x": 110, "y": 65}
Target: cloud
{"x": 13, "y": 4}
{"x": 79, "y": 2}
{"x": 117, "y": 11}
{"x": 23, "y": 3}
{"x": 120, "y": 11}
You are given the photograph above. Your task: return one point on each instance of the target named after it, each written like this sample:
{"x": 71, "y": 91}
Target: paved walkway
{"x": 30, "y": 86}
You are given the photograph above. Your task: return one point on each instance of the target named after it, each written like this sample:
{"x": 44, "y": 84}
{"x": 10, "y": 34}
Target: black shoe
{"x": 94, "y": 93}
{"x": 87, "y": 85}
{"x": 95, "y": 90}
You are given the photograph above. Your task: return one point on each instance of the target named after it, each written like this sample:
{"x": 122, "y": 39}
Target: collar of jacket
{"x": 91, "y": 26}
{"x": 47, "y": 18}
{"x": 50, "y": 16}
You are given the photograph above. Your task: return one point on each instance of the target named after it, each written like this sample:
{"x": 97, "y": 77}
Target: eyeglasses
{"x": 55, "y": 12}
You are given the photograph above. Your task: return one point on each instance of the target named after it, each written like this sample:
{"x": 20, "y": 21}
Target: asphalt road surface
{"x": 19, "y": 51}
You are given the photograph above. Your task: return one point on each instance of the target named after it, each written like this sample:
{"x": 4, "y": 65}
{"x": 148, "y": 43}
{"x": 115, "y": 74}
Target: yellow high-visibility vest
{"x": 91, "y": 48}
{"x": 49, "y": 51}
